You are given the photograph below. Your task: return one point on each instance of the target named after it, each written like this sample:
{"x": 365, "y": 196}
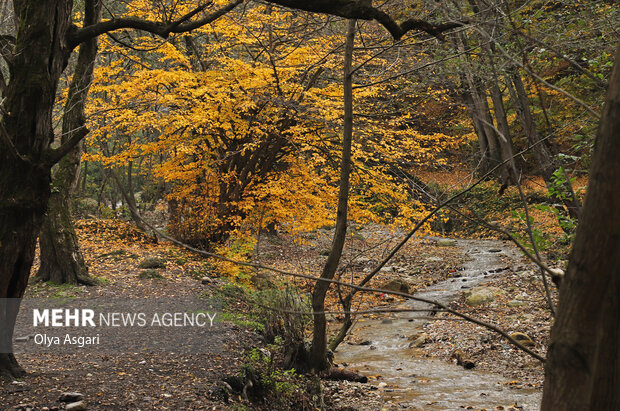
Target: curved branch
{"x": 363, "y": 10}
{"x": 181, "y": 25}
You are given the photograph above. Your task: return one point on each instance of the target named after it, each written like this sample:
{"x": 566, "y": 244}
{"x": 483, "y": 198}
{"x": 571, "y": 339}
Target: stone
{"x": 150, "y": 273}
{"x": 418, "y": 340}
{"x": 387, "y": 321}
{"x": 76, "y": 406}
{"x": 71, "y": 397}
{"x": 482, "y": 295}
{"x": 396, "y": 285}
{"x": 523, "y": 339}
{"x": 516, "y": 303}
{"x": 152, "y": 262}
{"x": 446, "y": 242}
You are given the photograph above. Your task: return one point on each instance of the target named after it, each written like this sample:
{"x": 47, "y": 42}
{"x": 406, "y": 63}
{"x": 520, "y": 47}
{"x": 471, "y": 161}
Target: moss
{"x": 152, "y": 262}
{"x": 151, "y": 274}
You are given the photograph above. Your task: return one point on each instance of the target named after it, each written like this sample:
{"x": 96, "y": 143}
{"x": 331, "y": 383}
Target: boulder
{"x": 417, "y": 340}
{"x": 446, "y": 242}
{"x": 396, "y": 285}
{"x": 482, "y": 295}
{"x": 71, "y": 397}
{"x": 76, "y": 406}
{"x": 516, "y": 303}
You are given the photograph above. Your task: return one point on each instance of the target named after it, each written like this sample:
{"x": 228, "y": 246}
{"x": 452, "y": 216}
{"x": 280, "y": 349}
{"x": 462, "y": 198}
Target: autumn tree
{"x": 36, "y": 55}
{"x": 259, "y": 145}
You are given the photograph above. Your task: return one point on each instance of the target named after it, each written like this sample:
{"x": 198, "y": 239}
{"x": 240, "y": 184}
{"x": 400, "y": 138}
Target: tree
{"x": 583, "y": 367}
{"x": 37, "y": 56}
{"x": 260, "y": 144}
{"x": 61, "y": 258}
{"x": 318, "y": 353}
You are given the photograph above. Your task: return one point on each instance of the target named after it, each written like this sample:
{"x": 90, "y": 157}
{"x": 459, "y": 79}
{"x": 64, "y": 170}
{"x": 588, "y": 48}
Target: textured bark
{"x": 318, "y": 353}
{"x": 39, "y": 59}
{"x": 61, "y": 259}
{"x": 583, "y": 367}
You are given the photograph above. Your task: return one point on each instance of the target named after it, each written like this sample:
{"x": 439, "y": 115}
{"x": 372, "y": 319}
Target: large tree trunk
{"x": 61, "y": 259}
{"x": 318, "y": 353}
{"x": 40, "y": 57}
{"x": 583, "y": 366}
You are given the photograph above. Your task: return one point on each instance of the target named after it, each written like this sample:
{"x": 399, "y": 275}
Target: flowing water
{"x": 417, "y": 382}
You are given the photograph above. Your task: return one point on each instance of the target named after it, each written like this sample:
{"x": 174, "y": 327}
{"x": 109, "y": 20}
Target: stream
{"x": 421, "y": 383}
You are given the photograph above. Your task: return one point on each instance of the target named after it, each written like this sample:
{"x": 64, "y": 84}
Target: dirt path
{"x": 130, "y": 381}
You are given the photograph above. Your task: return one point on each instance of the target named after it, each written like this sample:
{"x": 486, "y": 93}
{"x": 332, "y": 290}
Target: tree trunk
{"x": 542, "y": 155}
{"x": 318, "y": 353}
{"x": 583, "y": 363}
{"x": 130, "y": 200}
{"x": 61, "y": 259}
{"x": 40, "y": 56}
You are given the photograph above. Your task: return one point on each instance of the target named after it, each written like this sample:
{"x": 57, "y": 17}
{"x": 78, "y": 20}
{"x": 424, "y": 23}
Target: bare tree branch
{"x": 437, "y": 304}
{"x": 363, "y": 10}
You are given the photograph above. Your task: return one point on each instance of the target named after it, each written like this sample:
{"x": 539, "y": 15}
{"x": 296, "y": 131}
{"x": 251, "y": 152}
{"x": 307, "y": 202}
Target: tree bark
{"x": 38, "y": 61}
{"x": 318, "y": 353}
{"x": 583, "y": 362}
{"x": 61, "y": 259}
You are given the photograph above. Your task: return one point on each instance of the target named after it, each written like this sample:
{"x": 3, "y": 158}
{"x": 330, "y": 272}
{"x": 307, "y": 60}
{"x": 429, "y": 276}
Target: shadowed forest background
{"x": 317, "y": 165}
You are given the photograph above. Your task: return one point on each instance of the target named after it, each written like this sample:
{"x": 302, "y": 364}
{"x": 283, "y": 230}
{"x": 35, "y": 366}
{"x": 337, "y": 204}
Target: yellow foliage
{"x": 245, "y": 128}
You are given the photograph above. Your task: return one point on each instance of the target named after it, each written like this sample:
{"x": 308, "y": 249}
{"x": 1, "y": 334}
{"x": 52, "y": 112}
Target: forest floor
{"x": 183, "y": 381}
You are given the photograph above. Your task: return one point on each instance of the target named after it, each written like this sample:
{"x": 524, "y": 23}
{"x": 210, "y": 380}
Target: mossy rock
{"x": 152, "y": 262}
{"x": 150, "y": 273}
{"x": 482, "y": 295}
{"x": 446, "y": 242}
{"x": 396, "y": 285}
{"x": 516, "y": 303}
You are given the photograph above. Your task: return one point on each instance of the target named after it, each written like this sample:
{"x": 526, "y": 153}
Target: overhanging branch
{"x": 181, "y": 25}
{"x": 363, "y": 10}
